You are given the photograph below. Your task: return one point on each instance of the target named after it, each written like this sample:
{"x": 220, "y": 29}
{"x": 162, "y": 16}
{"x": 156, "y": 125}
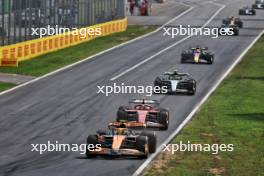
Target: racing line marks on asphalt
{"x": 169, "y": 47}
{"x": 189, "y": 117}
{"x": 148, "y": 59}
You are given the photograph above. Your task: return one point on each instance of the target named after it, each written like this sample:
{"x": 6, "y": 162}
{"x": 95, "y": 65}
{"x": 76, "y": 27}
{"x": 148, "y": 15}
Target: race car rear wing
{"x": 144, "y": 101}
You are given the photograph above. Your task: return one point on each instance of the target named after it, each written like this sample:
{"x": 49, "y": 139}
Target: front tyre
{"x": 192, "y": 91}
{"x": 152, "y": 140}
{"x": 142, "y": 145}
{"x": 183, "y": 58}
{"x": 163, "y": 119}
{"x": 121, "y": 115}
{"x": 211, "y": 60}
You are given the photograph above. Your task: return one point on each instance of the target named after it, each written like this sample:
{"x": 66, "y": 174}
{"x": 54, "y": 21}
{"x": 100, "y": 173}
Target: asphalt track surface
{"x": 66, "y": 107}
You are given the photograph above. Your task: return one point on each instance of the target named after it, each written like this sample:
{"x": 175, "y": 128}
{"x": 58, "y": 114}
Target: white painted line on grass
{"x": 169, "y": 47}
{"x": 189, "y": 117}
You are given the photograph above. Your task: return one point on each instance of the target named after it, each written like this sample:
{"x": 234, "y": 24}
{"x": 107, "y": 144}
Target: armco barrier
{"x": 11, "y": 55}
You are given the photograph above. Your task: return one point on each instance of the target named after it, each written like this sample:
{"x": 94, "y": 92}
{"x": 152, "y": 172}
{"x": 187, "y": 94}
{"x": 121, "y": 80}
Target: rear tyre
{"x": 240, "y": 24}
{"x": 183, "y": 58}
{"x": 91, "y": 139}
{"x": 121, "y": 115}
{"x": 225, "y": 21}
{"x": 236, "y": 32}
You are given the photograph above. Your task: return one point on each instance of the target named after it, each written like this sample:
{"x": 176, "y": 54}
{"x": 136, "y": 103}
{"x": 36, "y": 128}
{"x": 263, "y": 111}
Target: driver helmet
{"x": 175, "y": 72}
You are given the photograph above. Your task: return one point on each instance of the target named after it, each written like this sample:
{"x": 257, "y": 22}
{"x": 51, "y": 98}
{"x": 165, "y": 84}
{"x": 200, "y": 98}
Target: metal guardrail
{"x": 18, "y": 17}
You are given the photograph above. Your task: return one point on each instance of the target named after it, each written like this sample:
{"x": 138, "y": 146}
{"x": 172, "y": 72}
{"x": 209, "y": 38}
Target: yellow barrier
{"x": 11, "y": 55}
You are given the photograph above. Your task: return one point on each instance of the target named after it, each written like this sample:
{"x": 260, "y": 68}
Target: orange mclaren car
{"x": 122, "y": 142}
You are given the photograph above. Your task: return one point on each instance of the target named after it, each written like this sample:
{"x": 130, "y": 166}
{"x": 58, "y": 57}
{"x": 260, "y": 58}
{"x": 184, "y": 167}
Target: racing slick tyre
{"x": 163, "y": 119}
{"x": 185, "y": 56}
{"x": 152, "y": 140}
{"x": 121, "y": 115}
{"x": 192, "y": 89}
{"x": 210, "y": 59}
{"x": 240, "y": 24}
{"x": 224, "y": 21}
{"x": 91, "y": 139}
{"x": 236, "y": 32}
{"x": 141, "y": 143}
{"x": 157, "y": 84}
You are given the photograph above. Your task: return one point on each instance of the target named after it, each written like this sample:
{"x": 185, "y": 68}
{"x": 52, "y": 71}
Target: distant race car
{"x": 233, "y": 21}
{"x": 247, "y": 11}
{"x": 177, "y": 82}
{"x": 142, "y": 113}
{"x": 258, "y": 6}
{"x": 229, "y": 30}
{"x": 197, "y": 55}
{"x": 122, "y": 142}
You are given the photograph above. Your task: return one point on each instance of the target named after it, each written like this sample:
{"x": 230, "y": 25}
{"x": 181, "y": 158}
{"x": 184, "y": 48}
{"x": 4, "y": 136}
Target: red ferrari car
{"x": 142, "y": 114}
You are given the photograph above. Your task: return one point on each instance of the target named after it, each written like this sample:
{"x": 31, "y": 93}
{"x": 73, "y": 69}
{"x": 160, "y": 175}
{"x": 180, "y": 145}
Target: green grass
{"x": 234, "y": 114}
{"x": 5, "y": 86}
{"x": 50, "y": 62}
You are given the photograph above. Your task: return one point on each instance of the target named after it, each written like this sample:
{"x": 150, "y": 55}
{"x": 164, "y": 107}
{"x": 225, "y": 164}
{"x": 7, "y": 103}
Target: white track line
{"x": 148, "y": 59}
{"x": 177, "y": 17}
{"x": 98, "y": 54}
{"x": 189, "y": 117}
{"x": 169, "y": 47}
